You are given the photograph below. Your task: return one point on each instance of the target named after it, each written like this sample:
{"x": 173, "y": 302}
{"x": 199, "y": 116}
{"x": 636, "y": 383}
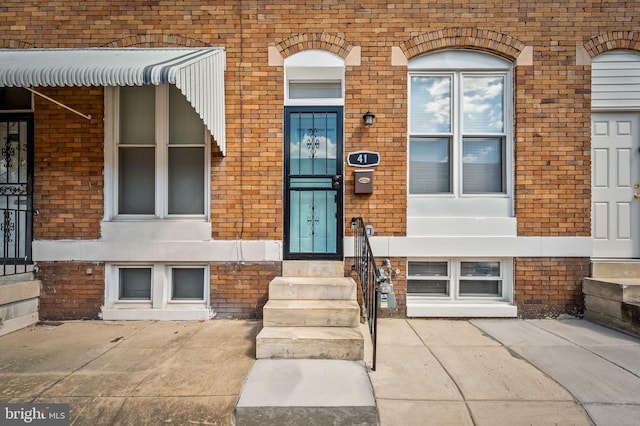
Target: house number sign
{"x": 363, "y": 159}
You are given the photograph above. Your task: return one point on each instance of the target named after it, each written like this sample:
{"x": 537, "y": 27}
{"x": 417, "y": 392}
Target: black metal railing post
{"x": 369, "y": 277}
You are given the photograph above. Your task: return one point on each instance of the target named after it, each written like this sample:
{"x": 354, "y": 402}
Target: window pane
{"x": 428, "y": 269}
{"x": 482, "y": 166}
{"x": 137, "y": 115}
{"x": 483, "y": 104}
{"x": 315, "y": 89}
{"x": 430, "y": 104}
{"x": 136, "y": 180}
{"x": 187, "y": 283}
{"x": 135, "y": 283}
{"x": 480, "y": 269}
{"x": 185, "y": 125}
{"x": 428, "y": 286}
{"x": 481, "y": 287}
{"x": 186, "y": 180}
{"x": 429, "y": 166}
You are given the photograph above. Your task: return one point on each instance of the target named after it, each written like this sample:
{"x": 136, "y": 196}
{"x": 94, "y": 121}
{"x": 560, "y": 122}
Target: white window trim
{"x": 456, "y": 204}
{"x": 421, "y": 306}
{"x": 160, "y": 307}
{"x": 453, "y": 268}
{"x": 112, "y": 118}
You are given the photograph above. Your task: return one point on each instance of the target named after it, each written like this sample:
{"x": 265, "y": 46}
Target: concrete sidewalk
{"x": 131, "y": 373}
{"x": 429, "y": 372}
{"x": 547, "y": 372}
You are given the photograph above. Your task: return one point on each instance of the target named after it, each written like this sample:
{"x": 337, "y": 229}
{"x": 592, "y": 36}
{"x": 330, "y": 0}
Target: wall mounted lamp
{"x": 368, "y": 118}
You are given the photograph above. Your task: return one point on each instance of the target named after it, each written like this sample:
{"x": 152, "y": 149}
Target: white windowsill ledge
{"x": 462, "y": 310}
{"x": 174, "y": 313}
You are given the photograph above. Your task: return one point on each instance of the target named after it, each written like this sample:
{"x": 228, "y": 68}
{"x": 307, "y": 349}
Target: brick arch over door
{"x": 156, "y": 40}
{"x": 613, "y": 40}
{"x": 320, "y": 41}
{"x": 502, "y": 44}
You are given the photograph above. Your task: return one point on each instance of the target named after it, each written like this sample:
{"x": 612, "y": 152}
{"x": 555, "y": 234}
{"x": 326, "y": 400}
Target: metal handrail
{"x": 16, "y": 231}
{"x": 369, "y": 277}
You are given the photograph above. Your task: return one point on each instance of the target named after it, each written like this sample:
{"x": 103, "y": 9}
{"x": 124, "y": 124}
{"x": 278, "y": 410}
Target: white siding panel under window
{"x": 615, "y": 81}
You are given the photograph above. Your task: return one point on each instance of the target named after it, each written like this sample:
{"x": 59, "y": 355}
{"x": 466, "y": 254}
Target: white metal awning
{"x": 197, "y": 72}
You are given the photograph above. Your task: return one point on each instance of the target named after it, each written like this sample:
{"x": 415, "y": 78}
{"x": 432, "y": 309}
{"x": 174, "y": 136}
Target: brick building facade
{"x": 519, "y": 250}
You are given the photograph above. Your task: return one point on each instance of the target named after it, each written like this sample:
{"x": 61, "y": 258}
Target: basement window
{"x": 459, "y": 279}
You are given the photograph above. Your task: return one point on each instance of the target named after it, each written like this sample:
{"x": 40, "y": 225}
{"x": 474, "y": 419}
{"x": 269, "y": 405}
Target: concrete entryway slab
{"x": 313, "y": 391}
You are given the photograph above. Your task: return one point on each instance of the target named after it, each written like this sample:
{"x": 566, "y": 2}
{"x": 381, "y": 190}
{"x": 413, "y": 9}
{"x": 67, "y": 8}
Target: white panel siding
{"x": 615, "y": 81}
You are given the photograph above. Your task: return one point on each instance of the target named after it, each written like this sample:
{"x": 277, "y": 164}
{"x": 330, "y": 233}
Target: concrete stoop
{"x": 306, "y": 391}
{"x": 311, "y": 317}
{"x": 612, "y": 295}
{"x": 19, "y": 301}
{"x": 310, "y": 352}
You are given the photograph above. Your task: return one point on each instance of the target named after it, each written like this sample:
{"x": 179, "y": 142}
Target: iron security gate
{"x": 16, "y": 200}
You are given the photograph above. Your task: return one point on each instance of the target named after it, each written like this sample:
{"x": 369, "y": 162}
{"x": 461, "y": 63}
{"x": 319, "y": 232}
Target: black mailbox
{"x": 364, "y": 181}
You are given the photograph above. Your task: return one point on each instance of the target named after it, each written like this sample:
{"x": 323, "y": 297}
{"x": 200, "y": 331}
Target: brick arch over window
{"x": 156, "y": 40}
{"x": 501, "y": 44}
{"x": 320, "y": 41}
{"x": 613, "y": 40}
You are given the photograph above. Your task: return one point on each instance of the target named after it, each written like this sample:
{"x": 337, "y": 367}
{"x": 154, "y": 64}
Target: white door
{"x": 615, "y": 142}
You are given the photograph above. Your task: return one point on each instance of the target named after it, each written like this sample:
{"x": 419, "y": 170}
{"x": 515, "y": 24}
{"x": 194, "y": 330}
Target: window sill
{"x": 182, "y": 312}
{"x": 460, "y": 309}
{"x": 157, "y": 230}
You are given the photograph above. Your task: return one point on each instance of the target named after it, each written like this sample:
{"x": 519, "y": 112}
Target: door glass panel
{"x": 313, "y": 222}
{"x": 313, "y": 144}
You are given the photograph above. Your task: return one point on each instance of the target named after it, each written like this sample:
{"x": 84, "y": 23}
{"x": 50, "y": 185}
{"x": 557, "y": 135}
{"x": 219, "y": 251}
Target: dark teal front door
{"x": 313, "y": 183}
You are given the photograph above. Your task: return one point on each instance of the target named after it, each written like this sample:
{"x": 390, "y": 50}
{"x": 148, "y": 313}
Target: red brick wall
{"x": 70, "y": 290}
{"x": 68, "y": 164}
{"x": 548, "y": 287}
{"x": 240, "y": 290}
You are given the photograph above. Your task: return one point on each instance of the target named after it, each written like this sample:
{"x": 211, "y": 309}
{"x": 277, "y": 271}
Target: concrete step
{"x": 311, "y": 313}
{"x": 309, "y": 288}
{"x": 615, "y": 269}
{"x": 616, "y": 289}
{"x": 306, "y": 392}
{"x": 310, "y": 342}
{"x": 312, "y": 268}
{"x": 613, "y": 302}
